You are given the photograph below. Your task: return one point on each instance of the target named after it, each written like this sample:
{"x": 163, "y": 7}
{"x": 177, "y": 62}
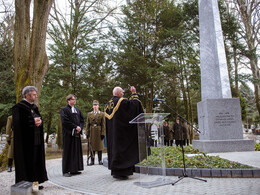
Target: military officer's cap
{"x": 95, "y": 102}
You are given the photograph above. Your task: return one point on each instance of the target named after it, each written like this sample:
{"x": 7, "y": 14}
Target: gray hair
{"x": 116, "y": 90}
{"x": 28, "y": 90}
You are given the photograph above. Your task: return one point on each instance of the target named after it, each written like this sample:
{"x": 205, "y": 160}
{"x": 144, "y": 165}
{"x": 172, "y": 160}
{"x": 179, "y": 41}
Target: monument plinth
{"x": 219, "y": 114}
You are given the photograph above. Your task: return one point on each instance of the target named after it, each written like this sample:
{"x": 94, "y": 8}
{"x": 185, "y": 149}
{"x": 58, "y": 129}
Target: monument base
{"x": 214, "y": 146}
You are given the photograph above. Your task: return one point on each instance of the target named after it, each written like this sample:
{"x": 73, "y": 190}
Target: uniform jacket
{"x": 10, "y": 136}
{"x": 95, "y": 127}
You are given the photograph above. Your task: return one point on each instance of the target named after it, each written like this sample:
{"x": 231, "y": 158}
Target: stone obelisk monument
{"x": 219, "y": 114}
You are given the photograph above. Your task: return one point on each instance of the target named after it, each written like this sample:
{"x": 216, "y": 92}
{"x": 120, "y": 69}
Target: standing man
{"x": 95, "y": 129}
{"x": 72, "y": 124}
{"x": 122, "y": 137}
{"x": 166, "y": 131}
{"x": 177, "y": 132}
{"x": 186, "y": 133}
{"x": 10, "y": 136}
{"x": 29, "y": 154}
{"x": 170, "y": 134}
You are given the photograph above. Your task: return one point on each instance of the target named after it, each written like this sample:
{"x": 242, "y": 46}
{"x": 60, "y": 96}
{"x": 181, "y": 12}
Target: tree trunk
{"x": 190, "y": 118}
{"x": 185, "y": 101}
{"x": 30, "y": 59}
{"x": 59, "y": 134}
{"x": 248, "y": 10}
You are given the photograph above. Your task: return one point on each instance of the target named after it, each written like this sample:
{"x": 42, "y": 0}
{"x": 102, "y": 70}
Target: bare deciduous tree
{"x": 248, "y": 13}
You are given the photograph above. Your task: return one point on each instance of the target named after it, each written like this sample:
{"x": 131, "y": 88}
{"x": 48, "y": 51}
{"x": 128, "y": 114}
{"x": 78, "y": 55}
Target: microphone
{"x": 157, "y": 99}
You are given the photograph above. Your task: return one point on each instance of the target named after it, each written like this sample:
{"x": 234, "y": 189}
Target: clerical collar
{"x": 73, "y": 109}
{"x": 27, "y": 101}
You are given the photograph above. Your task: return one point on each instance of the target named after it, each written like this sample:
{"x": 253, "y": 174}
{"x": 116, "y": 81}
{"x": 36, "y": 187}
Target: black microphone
{"x": 160, "y": 100}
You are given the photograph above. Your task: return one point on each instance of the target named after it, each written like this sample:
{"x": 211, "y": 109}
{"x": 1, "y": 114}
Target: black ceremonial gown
{"x": 72, "y": 157}
{"x": 29, "y": 155}
{"x": 122, "y": 137}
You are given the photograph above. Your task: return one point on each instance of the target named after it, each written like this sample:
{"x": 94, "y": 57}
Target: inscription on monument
{"x": 223, "y": 119}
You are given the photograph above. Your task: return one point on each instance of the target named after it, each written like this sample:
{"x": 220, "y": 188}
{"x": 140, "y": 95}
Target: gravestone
{"x": 219, "y": 115}
{"x": 22, "y": 188}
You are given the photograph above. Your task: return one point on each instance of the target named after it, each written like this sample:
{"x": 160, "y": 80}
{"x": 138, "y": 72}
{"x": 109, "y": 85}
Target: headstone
{"x": 54, "y": 147}
{"x": 22, "y": 188}
{"x": 219, "y": 114}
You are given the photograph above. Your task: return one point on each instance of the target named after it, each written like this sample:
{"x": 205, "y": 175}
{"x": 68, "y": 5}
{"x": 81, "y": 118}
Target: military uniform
{"x": 10, "y": 136}
{"x": 95, "y": 130}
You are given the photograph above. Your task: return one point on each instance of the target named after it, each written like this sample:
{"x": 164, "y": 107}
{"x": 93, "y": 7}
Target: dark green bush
{"x": 173, "y": 159}
{"x": 257, "y": 147}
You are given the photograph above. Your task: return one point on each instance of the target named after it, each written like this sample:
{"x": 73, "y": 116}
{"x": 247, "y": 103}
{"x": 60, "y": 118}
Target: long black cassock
{"x": 72, "y": 157}
{"x": 122, "y": 137}
{"x": 29, "y": 155}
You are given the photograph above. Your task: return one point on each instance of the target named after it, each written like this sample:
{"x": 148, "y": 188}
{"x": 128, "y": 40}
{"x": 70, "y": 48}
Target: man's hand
{"x": 37, "y": 121}
{"x": 78, "y": 129}
{"x": 133, "y": 90}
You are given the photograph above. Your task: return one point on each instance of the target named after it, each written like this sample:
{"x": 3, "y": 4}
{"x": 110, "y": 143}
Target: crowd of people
{"x": 179, "y": 134}
{"x": 26, "y": 140}
{"x": 25, "y": 136}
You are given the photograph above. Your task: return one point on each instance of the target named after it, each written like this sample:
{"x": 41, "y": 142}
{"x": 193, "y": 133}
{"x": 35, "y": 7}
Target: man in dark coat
{"x": 177, "y": 132}
{"x": 122, "y": 137}
{"x": 72, "y": 124}
{"x": 166, "y": 131}
{"x": 29, "y": 154}
{"x": 186, "y": 133}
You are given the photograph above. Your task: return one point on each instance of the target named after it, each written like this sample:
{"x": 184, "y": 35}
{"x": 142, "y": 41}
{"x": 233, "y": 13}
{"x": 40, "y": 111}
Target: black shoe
{"x": 90, "y": 164}
{"x": 66, "y": 175}
{"x": 75, "y": 173}
{"x": 9, "y": 169}
{"x": 100, "y": 163}
{"x": 120, "y": 177}
{"x": 40, "y": 187}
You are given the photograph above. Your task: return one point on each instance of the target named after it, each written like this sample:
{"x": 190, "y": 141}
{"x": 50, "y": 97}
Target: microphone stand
{"x": 184, "y": 175}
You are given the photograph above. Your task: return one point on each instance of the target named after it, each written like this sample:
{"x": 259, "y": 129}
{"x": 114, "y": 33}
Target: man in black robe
{"x": 122, "y": 137}
{"x": 72, "y": 124}
{"x": 29, "y": 154}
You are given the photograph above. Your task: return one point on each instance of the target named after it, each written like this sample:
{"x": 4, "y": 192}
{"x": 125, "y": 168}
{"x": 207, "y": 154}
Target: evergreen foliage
{"x": 7, "y": 86}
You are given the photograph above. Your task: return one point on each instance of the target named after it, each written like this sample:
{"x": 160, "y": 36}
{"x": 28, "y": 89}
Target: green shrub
{"x": 174, "y": 159}
{"x": 257, "y": 147}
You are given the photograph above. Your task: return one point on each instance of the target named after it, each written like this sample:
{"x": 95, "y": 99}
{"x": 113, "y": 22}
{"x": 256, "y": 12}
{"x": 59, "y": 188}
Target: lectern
{"x": 151, "y": 136}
